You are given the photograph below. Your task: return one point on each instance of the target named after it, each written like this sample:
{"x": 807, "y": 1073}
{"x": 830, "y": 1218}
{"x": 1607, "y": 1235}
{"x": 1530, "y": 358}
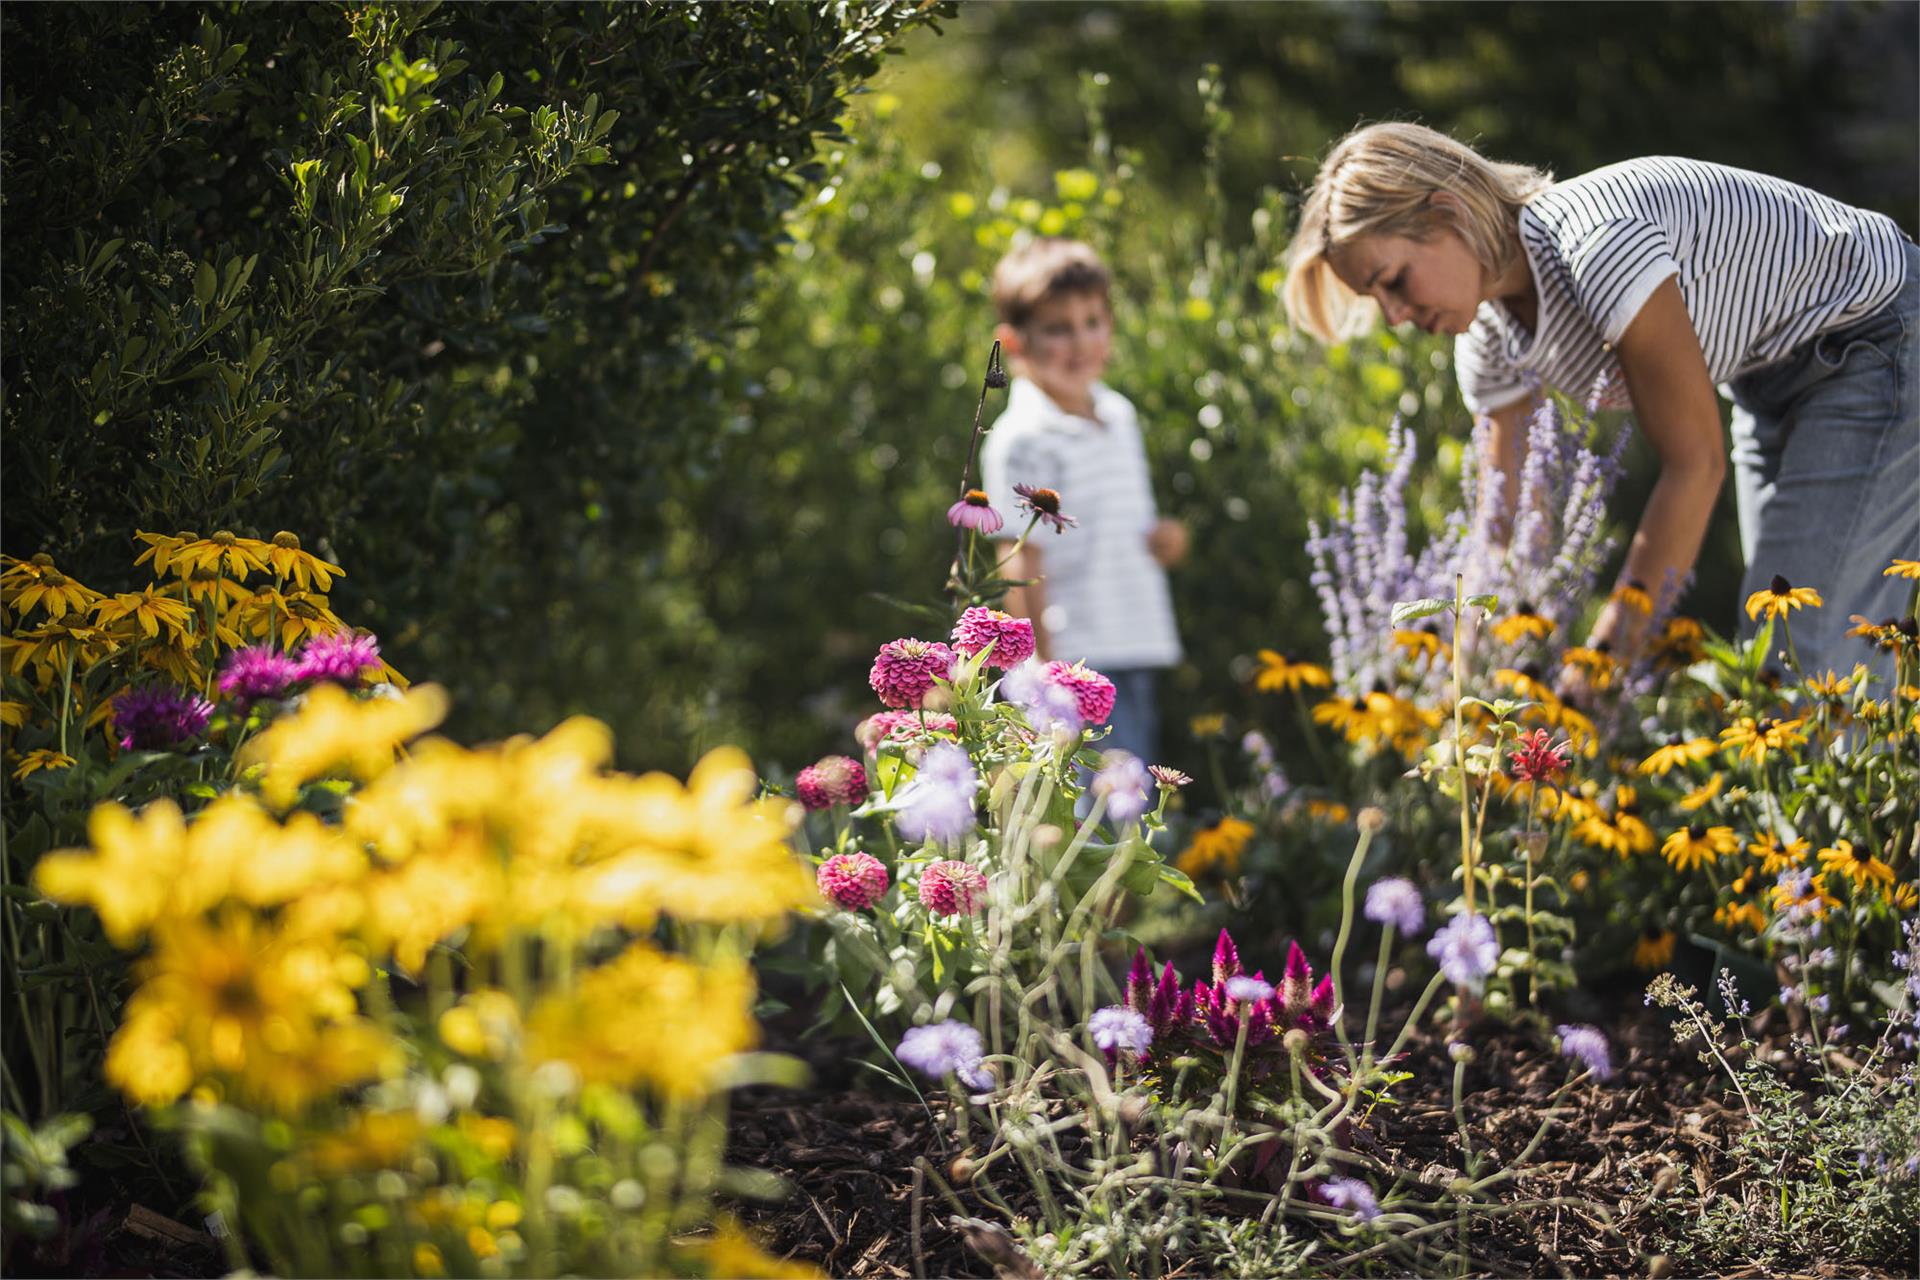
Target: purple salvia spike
{"x": 1296, "y": 987}
{"x": 1226, "y": 958}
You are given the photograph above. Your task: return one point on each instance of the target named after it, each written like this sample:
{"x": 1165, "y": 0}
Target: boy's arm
{"x": 1029, "y": 601}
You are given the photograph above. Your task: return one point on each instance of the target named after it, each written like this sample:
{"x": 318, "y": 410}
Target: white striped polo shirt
{"x": 1107, "y": 598}
{"x": 1762, "y": 264}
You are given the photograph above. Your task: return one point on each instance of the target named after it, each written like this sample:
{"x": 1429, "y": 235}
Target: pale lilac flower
{"x": 944, "y": 1048}
{"x": 1118, "y": 1029}
{"x": 1586, "y": 1045}
{"x": 1466, "y": 950}
{"x": 1255, "y": 744}
{"x": 1247, "y": 990}
{"x": 1048, "y": 706}
{"x": 1353, "y": 1195}
{"x": 1397, "y": 902}
{"x": 938, "y": 803}
{"x": 1125, "y": 783}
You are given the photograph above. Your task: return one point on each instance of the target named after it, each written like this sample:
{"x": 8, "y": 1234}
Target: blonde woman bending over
{"x": 1660, "y": 278}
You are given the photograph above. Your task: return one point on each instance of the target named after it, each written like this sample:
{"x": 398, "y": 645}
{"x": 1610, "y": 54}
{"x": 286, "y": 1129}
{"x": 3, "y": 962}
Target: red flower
{"x": 1539, "y": 758}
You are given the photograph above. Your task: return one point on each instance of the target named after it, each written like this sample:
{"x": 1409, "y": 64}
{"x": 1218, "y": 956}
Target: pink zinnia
{"x": 904, "y": 671}
{"x": 854, "y": 881}
{"x": 1011, "y": 637}
{"x": 883, "y": 726}
{"x": 1092, "y": 692}
{"x": 256, "y": 672}
{"x": 830, "y": 781}
{"x": 1540, "y": 758}
{"x": 974, "y": 512}
{"x": 340, "y": 657}
{"x": 952, "y": 888}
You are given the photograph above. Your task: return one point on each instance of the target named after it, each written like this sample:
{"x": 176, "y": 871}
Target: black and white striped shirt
{"x": 1762, "y": 264}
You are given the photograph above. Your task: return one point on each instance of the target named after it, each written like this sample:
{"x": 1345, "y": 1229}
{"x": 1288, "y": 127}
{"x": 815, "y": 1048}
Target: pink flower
{"x": 1045, "y": 505}
{"x": 830, "y": 781}
{"x": 339, "y": 657}
{"x": 255, "y": 673}
{"x": 854, "y": 881}
{"x": 974, "y": 512}
{"x": 897, "y": 726}
{"x": 1092, "y": 692}
{"x": 1540, "y": 758}
{"x": 952, "y": 888}
{"x": 904, "y": 671}
{"x": 1011, "y": 637}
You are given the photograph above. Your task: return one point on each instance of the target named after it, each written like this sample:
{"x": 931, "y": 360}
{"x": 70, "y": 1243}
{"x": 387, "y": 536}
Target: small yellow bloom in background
{"x": 41, "y": 758}
{"x": 336, "y": 732}
{"x": 1680, "y": 643}
{"x": 1832, "y": 685}
{"x": 1423, "y": 643}
{"x": 13, "y": 714}
{"x": 1597, "y": 663}
{"x": 1678, "y": 751}
{"x": 372, "y": 1140}
{"x": 147, "y": 612}
{"x": 1523, "y": 623}
{"x": 1751, "y": 739}
{"x": 1739, "y": 915}
{"x": 1653, "y": 949}
{"x": 730, "y": 1251}
{"x": 1076, "y": 184}
{"x": 286, "y": 560}
{"x": 1580, "y": 881}
{"x": 1207, "y": 726}
{"x": 1327, "y": 811}
{"x": 1220, "y": 845}
{"x": 485, "y": 1024}
{"x": 1634, "y": 595}
{"x": 1815, "y": 901}
{"x": 1279, "y": 671}
{"x": 1902, "y": 569}
{"x": 1780, "y": 598}
{"x": 1856, "y": 864}
{"x": 1700, "y": 795}
{"x": 1776, "y": 857}
{"x": 1696, "y": 846}
{"x": 427, "y": 1260}
{"x": 1904, "y": 896}
{"x": 27, "y": 585}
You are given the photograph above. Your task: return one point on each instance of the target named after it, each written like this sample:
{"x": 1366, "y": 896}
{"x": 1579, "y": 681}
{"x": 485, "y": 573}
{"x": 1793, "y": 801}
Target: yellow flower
{"x": 128, "y": 873}
{"x": 1679, "y": 644}
{"x": 1902, "y": 569}
{"x": 1581, "y": 735}
{"x": 51, "y": 647}
{"x": 204, "y": 586}
{"x": 729, "y": 1251}
{"x": 1857, "y": 864}
{"x": 1418, "y": 644}
{"x": 1207, "y": 726}
{"x": 161, "y": 550}
{"x": 1776, "y": 857}
{"x": 13, "y": 714}
{"x": 1780, "y": 598}
{"x": 1526, "y": 683}
{"x": 1755, "y": 738}
{"x": 1815, "y": 901}
{"x": 1904, "y": 896}
{"x": 147, "y": 611}
{"x": 1653, "y": 949}
{"x": 1327, "y": 811}
{"x": 1634, "y": 595}
{"x": 1736, "y": 915}
{"x": 286, "y": 560}
{"x": 1678, "y": 751}
{"x": 1279, "y": 671}
{"x": 223, "y": 553}
{"x": 1696, "y": 846}
{"x": 26, "y": 585}
{"x": 1220, "y": 845}
{"x": 648, "y": 1018}
{"x": 334, "y": 731}
{"x": 1700, "y": 795}
{"x": 1580, "y": 880}
{"x": 290, "y": 619}
{"x": 1522, "y": 623}
{"x": 485, "y": 1024}
{"x": 1624, "y": 832}
{"x": 41, "y": 758}
{"x": 1597, "y": 662}
{"x": 371, "y": 1141}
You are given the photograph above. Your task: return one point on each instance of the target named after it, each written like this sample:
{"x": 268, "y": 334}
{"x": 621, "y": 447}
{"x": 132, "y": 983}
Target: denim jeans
{"x": 1826, "y": 456}
{"x": 1135, "y": 721}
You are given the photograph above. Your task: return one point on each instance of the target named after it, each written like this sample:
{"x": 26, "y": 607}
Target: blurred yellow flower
{"x": 127, "y": 875}
{"x": 1776, "y": 857}
{"x": 1856, "y": 863}
{"x": 1691, "y": 848}
{"x": 1218, "y": 845}
{"x": 484, "y": 1024}
{"x": 1076, "y": 184}
{"x": 223, "y": 553}
{"x": 1654, "y": 948}
{"x": 1902, "y": 569}
{"x": 1738, "y": 915}
{"x": 372, "y": 1140}
{"x": 1521, "y": 624}
{"x": 1678, "y": 751}
{"x": 41, "y": 758}
{"x": 13, "y": 714}
{"x": 288, "y": 620}
{"x": 1279, "y": 671}
{"x": 1752, "y": 739}
{"x": 1207, "y": 726}
{"x": 729, "y": 1251}
{"x": 1698, "y": 797}
{"x": 335, "y": 732}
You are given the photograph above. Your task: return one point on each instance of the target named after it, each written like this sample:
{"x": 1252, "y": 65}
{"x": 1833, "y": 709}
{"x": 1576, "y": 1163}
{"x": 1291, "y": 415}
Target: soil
{"x": 848, "y": 1147}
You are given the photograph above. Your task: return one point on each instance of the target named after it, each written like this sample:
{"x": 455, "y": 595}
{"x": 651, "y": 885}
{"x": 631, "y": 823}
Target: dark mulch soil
{"x": 848, "y": 1147}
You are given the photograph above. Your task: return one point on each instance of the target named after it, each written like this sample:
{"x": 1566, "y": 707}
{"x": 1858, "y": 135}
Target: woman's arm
{"x": 1673, "y": 399}
{"x": 1500, "y": 464}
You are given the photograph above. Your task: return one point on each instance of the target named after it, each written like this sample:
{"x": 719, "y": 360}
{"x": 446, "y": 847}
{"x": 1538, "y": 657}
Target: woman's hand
{"x": 1167, "y": 542}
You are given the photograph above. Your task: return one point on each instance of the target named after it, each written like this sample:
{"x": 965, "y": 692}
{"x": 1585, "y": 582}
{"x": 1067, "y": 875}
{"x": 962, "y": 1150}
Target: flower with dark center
{"x": 974, "y": 512}
{"x": 1780, "y": 598}
{"x": 1045, "y": 505}
{"x": 1698, "y": 845}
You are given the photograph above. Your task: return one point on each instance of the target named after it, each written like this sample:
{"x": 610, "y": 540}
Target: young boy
{"x": 1101, "y": 591}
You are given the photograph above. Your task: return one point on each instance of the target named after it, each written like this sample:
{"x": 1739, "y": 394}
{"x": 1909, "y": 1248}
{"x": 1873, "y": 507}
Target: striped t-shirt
{"x": 1762, "y": 264}
{"x": 1107, "y": 598}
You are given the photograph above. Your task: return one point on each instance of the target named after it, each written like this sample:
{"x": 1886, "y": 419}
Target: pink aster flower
{"x": 256, "y": 672}
{"x": 1045, "y": 505}
{"x": 952, "y": 888}
{"x": 1011, "y": 637}
{"x": 339, "y": 658}
{"x": 904, "y": 671}
{"x": 975, "y": 513}
{"x": 854, "y": 881}
{"x": 1092, "y": 692}
{"x": 831, "y": 780}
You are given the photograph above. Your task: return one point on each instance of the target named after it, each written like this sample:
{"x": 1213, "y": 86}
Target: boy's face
{"x": 1065, "y": 345}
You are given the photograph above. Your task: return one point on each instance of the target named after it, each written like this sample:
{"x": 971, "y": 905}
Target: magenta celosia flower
{"x": 974, "y": 512}
{"x": 831, "y": 780}
{"x": 255, "y": 673}
{"x": 1587, "y": 1046}
{"x": 904, "y": 670}
{"x": 952, "y": 888}
{"x": 1092, "y": 692}
{"x": 1011, "y": 637}
{"x": 854, "y": 881}
{"x": 150, "y": 718}
{"x": 1466, "y": 949}
{"x": 339, "y": 658}
{"x": 1539, "y": 758}
{"x": 1164, "y": 1004}
{"x": 1045, "y": 505}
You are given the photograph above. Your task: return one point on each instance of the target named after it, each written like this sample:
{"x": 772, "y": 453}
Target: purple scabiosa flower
{"x": 831, "y": 780}
{"x": 1045, "y": 505}
{"x": 153, "y": 717}
{"x": 854, "y": 881}
{"x": 1117, "y": 1029}
{"x": 1093, "y": 693}
{"x": 256, "y": 673}
{"x": 1396, "y": 902}
{"x": 1587, "y": 1046}
{"x": 904, "y": 670}
{"x": 1011, "y": 637}
{"x": 1125, "y": 784}
{"x": 952, "y": 888}
{"x": 1048, "y": 706}
{"x": 1245, "y": 990}
{"x": 1466, "y": 950}
{"x": 944, "y": 1048}
{"x": 1351, "y": 1194}
{"x": 938, "y": 803}
{"x": 974, "y": 512}
{"x": 1255, "y": 744}
{"x": 339, "y": 658}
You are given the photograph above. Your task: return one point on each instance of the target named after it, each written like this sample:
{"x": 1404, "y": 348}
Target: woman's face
{"x": 1436, "y": 283}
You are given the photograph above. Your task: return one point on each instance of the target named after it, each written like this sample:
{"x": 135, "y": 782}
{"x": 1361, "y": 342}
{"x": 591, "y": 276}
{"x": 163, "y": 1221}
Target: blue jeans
{"x": 1826, "y": 455}
{"x": 1135, "y": 720}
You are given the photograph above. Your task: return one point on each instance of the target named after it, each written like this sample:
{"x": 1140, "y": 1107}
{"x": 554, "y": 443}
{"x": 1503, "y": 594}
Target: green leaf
{"x": 1413, "y": 610}
{"x": 205, "y": 283}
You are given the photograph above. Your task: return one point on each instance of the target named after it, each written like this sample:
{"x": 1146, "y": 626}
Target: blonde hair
{"x": 1043, "y": 268}
{"x": 1381, "y": 180}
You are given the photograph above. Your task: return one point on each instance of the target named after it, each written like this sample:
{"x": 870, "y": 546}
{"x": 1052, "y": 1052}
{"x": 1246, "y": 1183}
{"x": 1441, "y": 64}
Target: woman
{"x": 1656, "y": 279}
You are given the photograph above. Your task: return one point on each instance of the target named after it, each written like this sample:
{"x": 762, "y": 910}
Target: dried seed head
{"x": 1372, "y": 819}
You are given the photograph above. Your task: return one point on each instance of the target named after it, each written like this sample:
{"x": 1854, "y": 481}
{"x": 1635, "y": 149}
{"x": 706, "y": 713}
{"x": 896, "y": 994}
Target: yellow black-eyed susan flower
{"x": 1596, "y": 662}
{"x": 1680, "y": 643}
{"x": 1218, "y": 845}
{"x": 1653, "y": 949}
{"x": 162, "y": 548}
{"x": 1423, "y": 642}
{"x": 1279, "y": 671}
{"x": 1751, "y": 739}
{"x": 1856, "y": 863}
{"x": 1804, "y": 894}
{"x": 146, "y": 611}
{"x": 1523, "y": 623}
{"x": 1679, "y": 750}
{"x": 1696, "y": 846}
{"x": 1633, "y": 594}
{"x": 1781, "y": 597}
{"x": 1832, "y": 685}
{"x": 286, "y": 561}
{"x": 1902, "y": 569}
{"x": 1734, "y": 916}
{"x": 36, "y": 584}
{"x": 1904, "y": 896}
{"x": 13, "y": 714}
{"x": 41, "y": 758}
{"x": 1776, "y": 856}
{"x": 1358, "y": 718}
{"x": 225, "y": 552}
{"x": 1697, "y": 798}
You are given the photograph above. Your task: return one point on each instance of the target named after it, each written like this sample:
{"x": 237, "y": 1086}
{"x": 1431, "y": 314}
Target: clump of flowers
{"x": 852, "y": 881}
{"x": 904, "y": 671}
{"x": 952, "y": 888}
{"x": 1011, "y": 637}
{"x": 831, "y": 780}
{"x": 152, "y": 717}
{"x": 1209, "y": 1014}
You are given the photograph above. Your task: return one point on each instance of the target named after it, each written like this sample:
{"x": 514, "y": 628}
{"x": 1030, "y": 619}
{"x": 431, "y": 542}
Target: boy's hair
{"x": 1380, "y": 180}
{"x": 1044, "y": 268}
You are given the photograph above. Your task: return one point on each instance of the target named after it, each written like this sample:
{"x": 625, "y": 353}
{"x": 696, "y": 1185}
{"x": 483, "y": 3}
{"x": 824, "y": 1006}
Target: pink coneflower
{"x": 1011, "y": 637}
{"x": 904, "y": 670}
{"x": 830, "y": 781}
{"x": 255, "y": 673}
{"x": 339, "y": 658}
{"x": 854, "y": 881}
{"x": 1539, "y": 758}
{"x": 898, "y": 726}
{"x": 1092, "y": 692}
{"x": 150, "y": 718}
{"x": 1045, "y": 505}
{"x": 974, "y": 512}
{"x": 952, "y": 888}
